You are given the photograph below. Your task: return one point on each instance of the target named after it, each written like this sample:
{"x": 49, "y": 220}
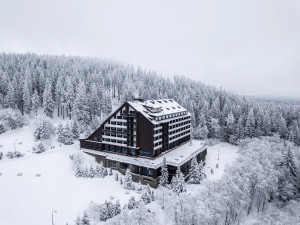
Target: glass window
{"x": 123, "y": 166}
{"x": 124, "y": 150}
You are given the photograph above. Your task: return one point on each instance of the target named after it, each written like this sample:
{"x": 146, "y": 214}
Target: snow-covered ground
{"x": 227, "y": 154}
{"x": 29, "y": 199}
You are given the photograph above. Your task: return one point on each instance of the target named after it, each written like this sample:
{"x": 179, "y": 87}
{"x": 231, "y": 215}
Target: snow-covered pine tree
{"x": 75, "y": 130}
{"x": 163, "y": 179}
{"x": 139, "y": 188}
{"x": 60, "y": 133}
{"x": 85, "y": 219}
{"x": 103, "y": 213}
{"x": 116, "y": 176}
{"x": 152, "y": 196}
{"x": 201, "y": 171}
{"x": 121, "y": 181}
{"x": 132, "y": 203}
{"x": 2, "y": 129}
{"x": 110, "y": 209}
{"x": 117, "y": 207}
{"x": 78, "y": 220}
{"x": 100, "y": 170}
{"x": 35, "y": 101}
{"x": 11, "y": 96}
{"x": 146, "y": 197}
{"x": 178, "y": 183}
{"x": 68, "y": 136}
{"x": 110, "y": 172}
{"x": 128, "y": 180}
{"x": 194, "y": 173}
{"x": 26, "y": 97}
{"x": 92, "y": 172}
{"x": 45, "y": 129}
{"x": 105, "y": 173}
{"x": 289, "y": 182}
{"x": 48, "y": 103}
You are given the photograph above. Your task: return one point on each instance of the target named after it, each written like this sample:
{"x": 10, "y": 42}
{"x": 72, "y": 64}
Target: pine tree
{"x": 282, "y": 128}
{"x": 11, "y": 96}
{"x": 250, "y": 124}
{"x": 105, "y": 173}
{"x": 128, "y": 180}
{"x": 110, "y": 209}
{"x": 110, "y": 172}
{"x": 26, "y": 96}
{"x": 152, "y": 196}
{"x": 117, "y": 207}
{"x": 139, "y": 188}
{"x": 121, "y": 181}
{"x": 103, "y": 213}
{"x": 289, "y": 182}
{"x": 146, "y": 197}
{"x": 48, "y": 103}
{"x": 132, "y": 203}
{"x": 116, "y": 176}
{"x": 178, "y": 183}
{"x": 194, "y": 173}
{"x": 68, "y": 136}
{"x": 2, "y": 128}
{"x": 85, "y": 219}
{"x": 35, "y": 102}
{"x": 75, "y": 130}
{"x": 78, "y": 221}
{"x": 201, "y": 171}
{"x": 230, "y": 126}
{"x": 60, "y": 133}
{"x": 163, "y": 179}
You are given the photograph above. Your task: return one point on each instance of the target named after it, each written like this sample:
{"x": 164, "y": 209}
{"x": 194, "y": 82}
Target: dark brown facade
{"x": 133, "y": 133}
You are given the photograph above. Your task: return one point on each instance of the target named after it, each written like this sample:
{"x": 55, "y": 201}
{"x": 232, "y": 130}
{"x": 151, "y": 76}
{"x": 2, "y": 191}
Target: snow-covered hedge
{"x": 11, "y": 119}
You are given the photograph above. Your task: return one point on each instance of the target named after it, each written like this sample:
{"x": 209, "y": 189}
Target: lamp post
{"x": 53, "y": 211}
{"x": 15, "y": 145}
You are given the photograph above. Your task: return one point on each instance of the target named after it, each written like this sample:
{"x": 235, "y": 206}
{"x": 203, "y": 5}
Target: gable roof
{"x": 157, "y": 108}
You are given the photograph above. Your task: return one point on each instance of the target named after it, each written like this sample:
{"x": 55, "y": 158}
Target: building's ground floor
{"x": 148, "y": 170}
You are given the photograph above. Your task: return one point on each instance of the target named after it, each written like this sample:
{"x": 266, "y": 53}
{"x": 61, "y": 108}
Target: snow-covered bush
{"x": 105, "y": 173}
{"x": 146, "y": 196}
{"x": 38, "y": 148}
{"x": 15, "y": 154}
{"x": 43, "y": 128}
{"x": 11, "y": 118}
{"x": 110, "y": 172}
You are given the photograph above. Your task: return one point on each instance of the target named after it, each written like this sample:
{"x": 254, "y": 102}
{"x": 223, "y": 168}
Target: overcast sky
{"x": 249, "y": 47}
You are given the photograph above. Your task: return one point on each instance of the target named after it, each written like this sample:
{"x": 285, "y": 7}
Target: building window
{"x": 124, "y": 150}
{"x": 112, "y": 164}
{"x": 95, "y": 138}
{"x": 123, "y": 166}
{"x": 132, "y": 152}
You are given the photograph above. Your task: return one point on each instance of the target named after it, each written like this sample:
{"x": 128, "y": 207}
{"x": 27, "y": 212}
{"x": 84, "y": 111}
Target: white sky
{"x": 247, "y": 46}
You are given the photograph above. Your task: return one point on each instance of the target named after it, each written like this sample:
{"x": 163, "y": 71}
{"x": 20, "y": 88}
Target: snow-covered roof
{"x": 156, "y": 110}
{"x": 175, "y": 157}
